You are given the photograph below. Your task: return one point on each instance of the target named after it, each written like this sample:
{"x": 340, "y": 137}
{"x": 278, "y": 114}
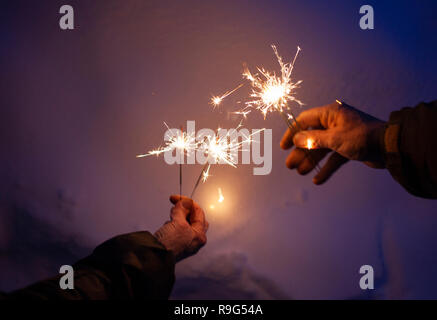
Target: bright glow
{"x": 221, "y": 198}
{"x": 270, "y": 92}
{"x": 222, "y": 149}
{"x": 310, "y": 143}
{"x": 182, "y": 141}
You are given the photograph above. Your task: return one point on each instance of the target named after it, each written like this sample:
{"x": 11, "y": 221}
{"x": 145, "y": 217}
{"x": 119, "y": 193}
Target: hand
{"x": 350, "y": 133}
{"x": 185, "y": 233}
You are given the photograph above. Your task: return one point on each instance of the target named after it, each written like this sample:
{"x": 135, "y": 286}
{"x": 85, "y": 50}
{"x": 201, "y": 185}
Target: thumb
{"x": 182, "y": 209}
{"x": 314, "y": 139}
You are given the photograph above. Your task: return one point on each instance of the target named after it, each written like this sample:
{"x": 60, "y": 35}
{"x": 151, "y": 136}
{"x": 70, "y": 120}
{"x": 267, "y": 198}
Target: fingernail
{"x": 187, "y": 203}
{"x": 300, "y": 140}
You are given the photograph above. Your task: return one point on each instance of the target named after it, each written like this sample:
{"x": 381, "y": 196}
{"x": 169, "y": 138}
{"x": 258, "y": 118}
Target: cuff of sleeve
{"x": 391, "y": 142}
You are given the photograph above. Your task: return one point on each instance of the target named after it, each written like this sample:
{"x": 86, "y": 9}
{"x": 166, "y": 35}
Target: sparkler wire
{"x": 199, "y": 178}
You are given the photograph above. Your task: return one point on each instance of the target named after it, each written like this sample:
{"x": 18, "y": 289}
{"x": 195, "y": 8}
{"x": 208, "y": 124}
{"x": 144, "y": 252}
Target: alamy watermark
{"x": 257, "y": 151}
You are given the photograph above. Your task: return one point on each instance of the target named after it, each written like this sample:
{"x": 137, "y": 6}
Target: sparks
{"x": 269, "y": 91}
{"x": 216, "y": 100}
{"x": 273, "y": 93}
{"x": 221, "y": 149}
{"x": 177, "y": 140}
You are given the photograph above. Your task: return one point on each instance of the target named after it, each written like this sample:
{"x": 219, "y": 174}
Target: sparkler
{"x": 273, "y": 93}
{"x": 220, "y": 149}
{"x": 179, "y": 140}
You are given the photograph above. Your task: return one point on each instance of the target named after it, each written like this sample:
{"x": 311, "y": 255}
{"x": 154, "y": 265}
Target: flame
{"x": 310, "y": 143}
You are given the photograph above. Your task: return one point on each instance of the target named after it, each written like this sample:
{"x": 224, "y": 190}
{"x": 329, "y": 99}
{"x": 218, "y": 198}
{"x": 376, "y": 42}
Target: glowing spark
{"x": 310, "y": 143}
{"x": 216, "y": 100}
{"x": 338, "y": 101}
{"x": 271, "y": 92}
{"x": 221, "y": 198}
{"x": 205, "y": 174}
{"x": 178, "y": 140}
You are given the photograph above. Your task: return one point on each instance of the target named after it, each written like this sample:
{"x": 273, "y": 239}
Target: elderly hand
{"x": 185, "y": 233}
{"x": 348, "y": 132}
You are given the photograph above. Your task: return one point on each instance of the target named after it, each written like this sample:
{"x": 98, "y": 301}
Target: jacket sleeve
{"x": 410, "y": 147}
{"x": 130, "y": 266}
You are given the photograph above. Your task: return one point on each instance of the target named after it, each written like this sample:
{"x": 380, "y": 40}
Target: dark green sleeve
{"x": 130, "y": 266}
{"x": 410, "y": 143}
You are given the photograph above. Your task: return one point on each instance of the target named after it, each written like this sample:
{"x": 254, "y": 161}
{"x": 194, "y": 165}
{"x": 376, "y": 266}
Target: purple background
{"x": 77, "y": 106}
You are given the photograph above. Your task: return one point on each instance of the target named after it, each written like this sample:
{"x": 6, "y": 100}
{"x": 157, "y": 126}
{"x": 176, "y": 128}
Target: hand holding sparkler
{"x": 185, "y": 233}
{"x": 350, "y": 133}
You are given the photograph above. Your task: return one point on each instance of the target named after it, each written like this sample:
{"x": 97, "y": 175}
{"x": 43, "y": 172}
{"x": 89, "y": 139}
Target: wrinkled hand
{"x": 338, "y": 127}
{"x": 185, "y": 233}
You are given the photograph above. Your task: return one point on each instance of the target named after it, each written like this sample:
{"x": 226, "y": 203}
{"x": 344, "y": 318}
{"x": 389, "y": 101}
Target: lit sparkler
{"x": 273, "y": 93}
{"x": 182, "y": 141}
{"x": 177, "y": 140}
{"x": 221, "y": 149}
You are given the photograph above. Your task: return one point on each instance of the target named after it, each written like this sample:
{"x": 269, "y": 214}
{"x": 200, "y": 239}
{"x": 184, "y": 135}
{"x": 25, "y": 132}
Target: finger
{"x": 312, "y": 158}
{"x": 295, "y": 158}
{"x": 308, "y": 158}
{"x": 287, "y": 138}
{"x": 315, "y": 139}
{"x": 317, "y": 117}
{"x": 197, "y": 219}
{"x": 334, "y": 162}
{"x": 174, "y": 198}
{"x": 182, "y": 209}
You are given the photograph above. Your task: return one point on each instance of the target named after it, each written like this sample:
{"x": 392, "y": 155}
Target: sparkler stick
{"x": 181, "y": 141}
{"x": 207, "y": 165}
